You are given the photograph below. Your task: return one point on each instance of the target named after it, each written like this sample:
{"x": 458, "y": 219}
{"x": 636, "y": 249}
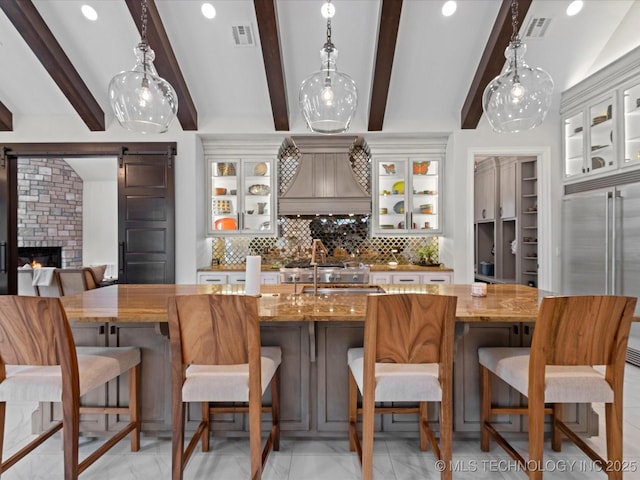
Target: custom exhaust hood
{"x": 324, "y": 181}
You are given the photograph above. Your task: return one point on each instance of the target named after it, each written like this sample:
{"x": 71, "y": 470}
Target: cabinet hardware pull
{"x": 516, "y": 330}
{"x": 3, "y": 257}
{"x": 527, "y": 330}
{"x": 101, "y": 330}
{"x": 121, "y": 260}
{"x": 112, "y": 329}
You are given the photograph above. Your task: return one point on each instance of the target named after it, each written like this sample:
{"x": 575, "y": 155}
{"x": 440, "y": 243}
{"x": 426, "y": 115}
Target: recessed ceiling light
{"x": 328, "y": 10}
{"x": 449, "y": 8}
{"x": 208, "y": 11}
{"x": 89, "y": 12}
{"x": 574, "y": 7}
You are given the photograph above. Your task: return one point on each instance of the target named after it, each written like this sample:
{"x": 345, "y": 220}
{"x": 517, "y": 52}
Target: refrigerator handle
{"x": 617, "y": 199}
{"x": 607, "y": 244}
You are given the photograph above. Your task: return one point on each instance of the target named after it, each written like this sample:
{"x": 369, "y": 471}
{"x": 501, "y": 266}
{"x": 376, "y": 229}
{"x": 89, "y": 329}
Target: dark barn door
{"x": 146, "y": 214}
{"x": 8, "y": 225}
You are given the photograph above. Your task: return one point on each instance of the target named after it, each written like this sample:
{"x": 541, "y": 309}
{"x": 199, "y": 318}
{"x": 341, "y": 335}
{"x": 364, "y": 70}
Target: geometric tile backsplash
{"x": 344, "y": 237}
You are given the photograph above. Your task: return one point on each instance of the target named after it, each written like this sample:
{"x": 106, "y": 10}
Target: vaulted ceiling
{"x": 415, "y": 69}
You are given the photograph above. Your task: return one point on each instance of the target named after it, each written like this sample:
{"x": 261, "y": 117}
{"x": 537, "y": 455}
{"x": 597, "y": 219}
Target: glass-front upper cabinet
{"x": 631, "y": 102}
{"x": 407, "y": 195}
{"x": 589, "y": 137}
{"x": 241, "y": 196}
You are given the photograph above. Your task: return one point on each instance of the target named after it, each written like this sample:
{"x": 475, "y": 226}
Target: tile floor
{"x": 330, "y": 459}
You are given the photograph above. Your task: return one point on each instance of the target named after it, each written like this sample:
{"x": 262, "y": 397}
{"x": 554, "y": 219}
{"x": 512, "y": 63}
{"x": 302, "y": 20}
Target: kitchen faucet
{"x": 317, "y": 247}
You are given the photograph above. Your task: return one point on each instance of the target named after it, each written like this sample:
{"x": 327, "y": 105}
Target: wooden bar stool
{"x": 216, "y": 357}
{"x": 572, "y": 334}
{"x": 407, "y": 357}
{"x": 39, "y": 362}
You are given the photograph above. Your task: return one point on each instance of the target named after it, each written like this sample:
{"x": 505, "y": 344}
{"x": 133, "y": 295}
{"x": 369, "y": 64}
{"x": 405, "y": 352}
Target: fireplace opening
{"x": 40, "y": 256}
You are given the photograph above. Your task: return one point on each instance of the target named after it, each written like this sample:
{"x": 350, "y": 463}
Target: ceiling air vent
{"x": 537, "y": 27}
{"x": 243, "y": 36}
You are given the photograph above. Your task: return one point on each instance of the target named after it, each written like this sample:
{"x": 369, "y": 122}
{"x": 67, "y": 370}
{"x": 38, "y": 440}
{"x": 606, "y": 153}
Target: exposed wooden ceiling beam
{"x": 387, "y": 36}
{"x": 25, "y": 17}
{"x": 6, "y": 119}
{"x": 272, "y": 56}
{"x": 166, "y": 62}
{"x": 491, "y": 62}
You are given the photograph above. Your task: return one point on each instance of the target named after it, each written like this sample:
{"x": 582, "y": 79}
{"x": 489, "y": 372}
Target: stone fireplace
{"x": 50, "y": 209}
{"x": 44, "y": 256}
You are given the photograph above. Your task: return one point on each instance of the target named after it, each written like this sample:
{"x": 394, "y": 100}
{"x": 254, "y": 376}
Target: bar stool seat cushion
{"x": 563, "y": 383}
{"x": 96, "y": 366}
{"x": 227, "y": 383}
{"x": 399, "y": 382}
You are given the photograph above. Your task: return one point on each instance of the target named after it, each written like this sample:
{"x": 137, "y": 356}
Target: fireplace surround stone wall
{"x": 50, "y": 207}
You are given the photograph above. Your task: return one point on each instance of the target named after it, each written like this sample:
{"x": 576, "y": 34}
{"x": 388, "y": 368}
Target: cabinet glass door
{"x": 224, "y": 196}
{"x": 632, "y": 125}
{"x": 408, "y": 197}
{"x": 392, "y": 196}
{"x": 258, "y": 195}
{"x": 574, "y": 145}
{"x": 602, "y": 151}
{"x": 423, "y": 197}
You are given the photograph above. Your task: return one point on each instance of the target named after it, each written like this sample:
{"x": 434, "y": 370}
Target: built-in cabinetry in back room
{"x": 506, "y": 219}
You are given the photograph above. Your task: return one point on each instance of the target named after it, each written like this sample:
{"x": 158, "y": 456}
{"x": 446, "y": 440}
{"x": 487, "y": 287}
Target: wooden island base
{"x": 314, "y": 344}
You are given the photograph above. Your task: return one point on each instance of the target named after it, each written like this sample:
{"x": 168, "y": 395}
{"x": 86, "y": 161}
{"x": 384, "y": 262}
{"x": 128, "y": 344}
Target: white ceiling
{"x": 435, "y": 60}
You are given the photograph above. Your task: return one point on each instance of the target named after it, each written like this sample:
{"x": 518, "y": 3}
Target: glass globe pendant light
{"x": 142, "y": 101}
{"x": 328, "y": 98}
{"x": 520, "y": 97}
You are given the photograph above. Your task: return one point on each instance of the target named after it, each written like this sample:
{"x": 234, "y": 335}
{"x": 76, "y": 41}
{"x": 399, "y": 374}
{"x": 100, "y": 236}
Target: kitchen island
{"x": 315, "y": 332}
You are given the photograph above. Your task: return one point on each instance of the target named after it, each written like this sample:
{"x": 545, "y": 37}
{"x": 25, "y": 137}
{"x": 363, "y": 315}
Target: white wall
{"x": 99, "y": 210}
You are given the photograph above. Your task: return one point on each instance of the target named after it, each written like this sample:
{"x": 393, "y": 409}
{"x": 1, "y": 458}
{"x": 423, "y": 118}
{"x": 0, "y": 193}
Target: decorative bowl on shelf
{"x": 398, "y": 188}
{"x": 260, "y": 169}
{"x": 225, "y": 224}
{"x": 226, "y": 169}
{"x": 259, "y": 189}
{"x": 399, "y": 207}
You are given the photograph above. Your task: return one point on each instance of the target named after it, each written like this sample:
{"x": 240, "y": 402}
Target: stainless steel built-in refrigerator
{"x": 601, "y": 247}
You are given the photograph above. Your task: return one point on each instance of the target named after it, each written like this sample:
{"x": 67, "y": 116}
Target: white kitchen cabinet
{"x": 485, "y": 190}
{"x": 507, "y": 176}
{"x": 589, "y": 138}
{"x": 601, "y": 122}
{"x": 631, "y": 133}
{"x": 400, "y": 277}
{"x": 235, "y": 278}
{"x": 407, "y": 195}
{"x": 437, "y": 277}
{"x": 212, "y": 278}
{"x": 241, "y": 196}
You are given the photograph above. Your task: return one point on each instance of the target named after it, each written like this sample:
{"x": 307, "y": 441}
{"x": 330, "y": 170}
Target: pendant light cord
{"x": 143, "y": 42}
{"x": 515, "y": 39}
{"x": 329, "y": 47}
{"x": 514, "y": 20}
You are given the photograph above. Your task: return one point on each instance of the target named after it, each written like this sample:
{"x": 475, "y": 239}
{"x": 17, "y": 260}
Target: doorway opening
{"x": 505, "y": 218}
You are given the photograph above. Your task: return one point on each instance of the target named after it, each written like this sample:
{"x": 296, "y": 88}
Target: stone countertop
{"x": 374, "y": 268}
{"x": 279, "y": 303}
